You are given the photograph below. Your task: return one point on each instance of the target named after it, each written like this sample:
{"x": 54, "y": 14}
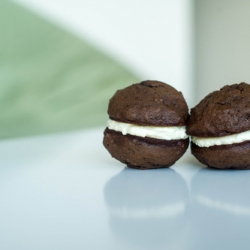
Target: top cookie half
{"x": 222, "y": 112}
{"x": 149, "y": 103}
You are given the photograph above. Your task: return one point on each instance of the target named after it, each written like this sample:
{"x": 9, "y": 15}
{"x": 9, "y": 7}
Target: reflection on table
{"x": 147, "y": 208}
{"x": 220, "y": 210}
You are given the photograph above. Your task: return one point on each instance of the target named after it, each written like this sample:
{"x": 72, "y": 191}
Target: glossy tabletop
{"x": 64, "y": 191}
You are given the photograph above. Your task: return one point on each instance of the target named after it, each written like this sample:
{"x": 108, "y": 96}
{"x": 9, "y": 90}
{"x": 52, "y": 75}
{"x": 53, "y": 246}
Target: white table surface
{"x": 64, "y": 191}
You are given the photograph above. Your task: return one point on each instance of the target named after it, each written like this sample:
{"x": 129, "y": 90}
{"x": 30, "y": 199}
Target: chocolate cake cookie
{"x": 146, "y": 126}
{"x": 220, "y": 128}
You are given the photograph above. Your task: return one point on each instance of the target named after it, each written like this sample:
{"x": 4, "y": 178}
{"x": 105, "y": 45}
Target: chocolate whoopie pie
{"x": 146, "y": 126}
{"x": 220, "y": 128}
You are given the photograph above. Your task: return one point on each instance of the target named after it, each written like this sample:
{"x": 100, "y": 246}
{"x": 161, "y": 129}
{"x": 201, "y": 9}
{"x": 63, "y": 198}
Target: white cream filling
{"x": 164, "y": 133}
{"x": 223, "y": 140}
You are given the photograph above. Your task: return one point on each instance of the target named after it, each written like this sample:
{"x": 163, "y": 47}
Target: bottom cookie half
{"x": 235, "y": 156}
{"x": 143, "y": 153}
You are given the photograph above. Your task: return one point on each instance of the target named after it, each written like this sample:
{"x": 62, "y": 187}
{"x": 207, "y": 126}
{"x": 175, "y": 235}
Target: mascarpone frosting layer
{"x": 223, "y": 140}
{"x": 163, "y": 133}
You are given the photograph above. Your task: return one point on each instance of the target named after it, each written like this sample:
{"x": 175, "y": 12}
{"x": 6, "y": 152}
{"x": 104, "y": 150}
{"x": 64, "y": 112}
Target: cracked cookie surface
{"x": 222, "y": 112}
{"x": 149, "y": 103}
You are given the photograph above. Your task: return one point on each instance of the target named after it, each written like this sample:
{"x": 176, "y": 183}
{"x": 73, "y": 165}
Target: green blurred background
{"x": 50, "y": 80}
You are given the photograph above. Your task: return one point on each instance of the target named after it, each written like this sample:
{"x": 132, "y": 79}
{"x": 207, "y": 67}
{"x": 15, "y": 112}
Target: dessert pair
{"x": 149, "y": 126}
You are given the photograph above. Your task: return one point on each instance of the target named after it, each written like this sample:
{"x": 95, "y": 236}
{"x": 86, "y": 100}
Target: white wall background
{"x": 222, "y": 44}
{"x": 151, "y": 38}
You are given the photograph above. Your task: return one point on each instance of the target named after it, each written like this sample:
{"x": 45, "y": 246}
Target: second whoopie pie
{"x": 146, "y": 126}
{"x": 220, "y": 128}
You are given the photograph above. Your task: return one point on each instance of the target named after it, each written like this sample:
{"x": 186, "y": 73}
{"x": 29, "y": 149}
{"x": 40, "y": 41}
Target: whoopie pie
{"x": 146, "y": 126}
{"x": 219, "y": 127}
